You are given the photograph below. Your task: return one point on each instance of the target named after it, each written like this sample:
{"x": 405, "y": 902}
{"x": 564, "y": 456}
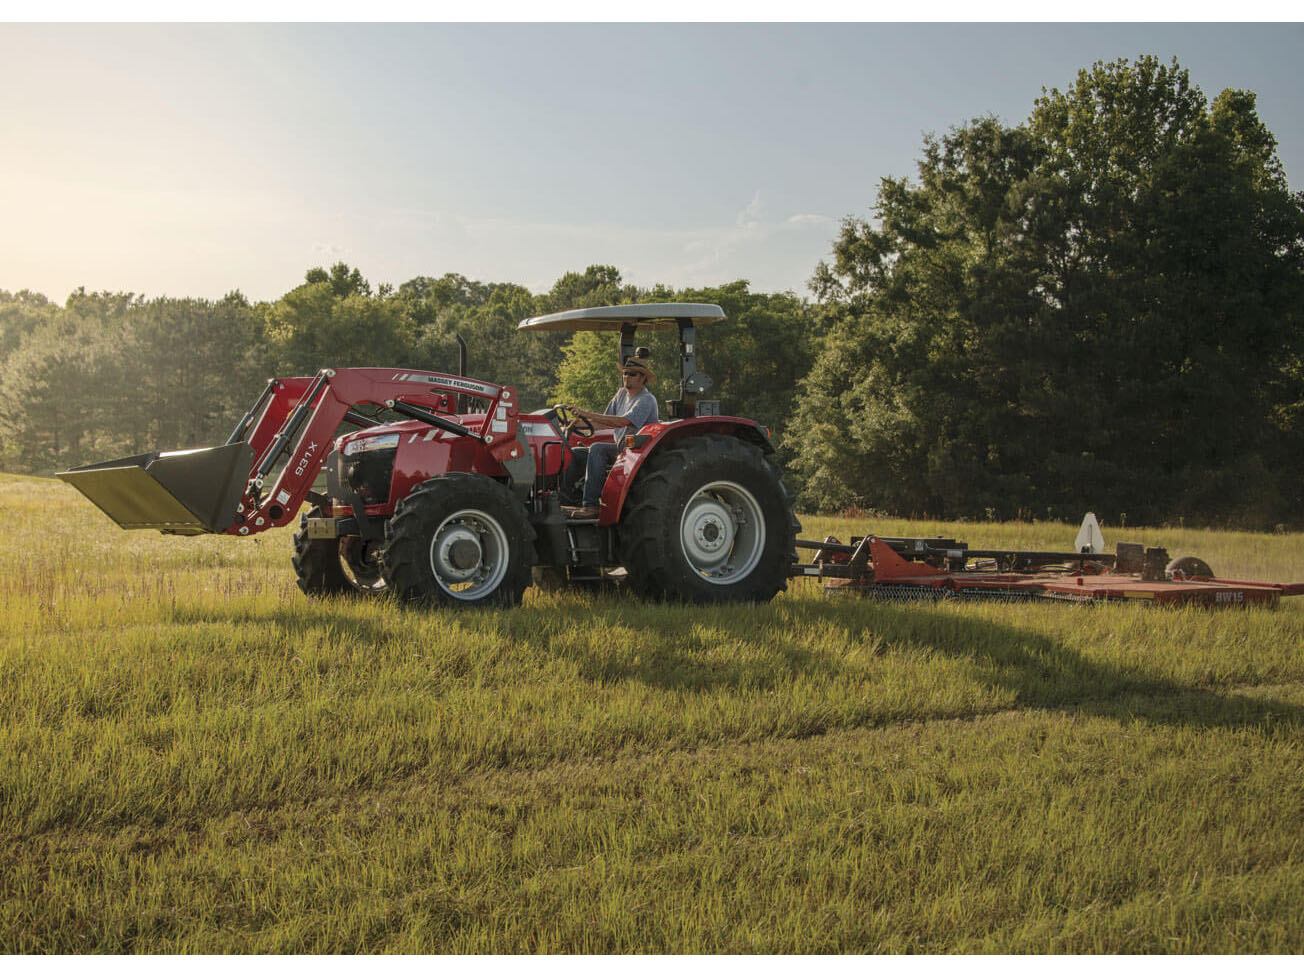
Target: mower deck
{"x": 873, "y": 567}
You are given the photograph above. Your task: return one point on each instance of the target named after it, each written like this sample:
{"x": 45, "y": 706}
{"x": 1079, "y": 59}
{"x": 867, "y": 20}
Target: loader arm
{"x": 225, "y": 489}
{"x": 304, "y": 426}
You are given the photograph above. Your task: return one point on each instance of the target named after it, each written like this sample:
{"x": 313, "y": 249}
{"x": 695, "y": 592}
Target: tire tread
{"x": 649, "y": 529}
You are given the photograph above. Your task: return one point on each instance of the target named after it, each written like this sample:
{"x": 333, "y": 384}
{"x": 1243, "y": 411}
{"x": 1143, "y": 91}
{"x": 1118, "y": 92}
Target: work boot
{"x": 580, "y": 511}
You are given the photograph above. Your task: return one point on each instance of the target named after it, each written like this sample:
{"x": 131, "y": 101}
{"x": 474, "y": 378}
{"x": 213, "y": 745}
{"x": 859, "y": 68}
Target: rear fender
{"x": 652, "y": 438}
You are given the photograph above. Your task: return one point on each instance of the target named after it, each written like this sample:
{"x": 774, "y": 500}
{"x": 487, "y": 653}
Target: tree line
{"x": 1099, "y": 306}
{"x": 118, "y": 373}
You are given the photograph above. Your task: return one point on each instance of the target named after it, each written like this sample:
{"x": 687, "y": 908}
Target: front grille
{"x": 369, "y": 475}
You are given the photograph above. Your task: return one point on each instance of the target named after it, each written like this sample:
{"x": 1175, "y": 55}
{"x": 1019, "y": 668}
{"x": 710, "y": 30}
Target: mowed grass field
{"x": 195, "y": 757}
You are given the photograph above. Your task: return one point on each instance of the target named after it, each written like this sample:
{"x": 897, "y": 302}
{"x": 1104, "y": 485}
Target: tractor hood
{"x": 389, "y": 435}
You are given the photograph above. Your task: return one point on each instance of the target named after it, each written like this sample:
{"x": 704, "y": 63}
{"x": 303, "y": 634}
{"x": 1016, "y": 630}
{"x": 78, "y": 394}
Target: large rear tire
{"x": 459, "y": 540}
{"x": 707, "y": 521}
{"x": 326, "y": 567}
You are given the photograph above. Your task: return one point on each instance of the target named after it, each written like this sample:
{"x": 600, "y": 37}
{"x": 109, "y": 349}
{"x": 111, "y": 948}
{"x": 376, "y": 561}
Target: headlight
{"x": 378, "y": 443}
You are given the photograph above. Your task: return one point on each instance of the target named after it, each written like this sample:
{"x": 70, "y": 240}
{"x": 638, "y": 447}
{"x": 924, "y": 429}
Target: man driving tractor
{"x": 444, "y": 508}
{"x": 632, "y": 406}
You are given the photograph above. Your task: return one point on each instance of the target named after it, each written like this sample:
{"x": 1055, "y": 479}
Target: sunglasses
{"x": 631, "y": 373}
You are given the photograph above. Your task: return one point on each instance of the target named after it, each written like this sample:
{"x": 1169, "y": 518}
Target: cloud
{"x": 773, "y": 252}
{"x": 329, "y": 252}
{"x": 810, "y": 219}
{"x": 750, "y": 216}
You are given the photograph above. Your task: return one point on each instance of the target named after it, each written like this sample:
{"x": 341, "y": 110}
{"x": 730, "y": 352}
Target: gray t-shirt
{"x": 638, "y": 410}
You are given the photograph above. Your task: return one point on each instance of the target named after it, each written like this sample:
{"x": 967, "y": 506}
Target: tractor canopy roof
{"x": 651, "y": 315}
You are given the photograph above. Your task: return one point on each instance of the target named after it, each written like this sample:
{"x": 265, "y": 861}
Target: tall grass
{"x": 199, "y": 758}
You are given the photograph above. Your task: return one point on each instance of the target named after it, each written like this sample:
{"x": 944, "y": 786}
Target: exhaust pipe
{"x": 184, "y": 493}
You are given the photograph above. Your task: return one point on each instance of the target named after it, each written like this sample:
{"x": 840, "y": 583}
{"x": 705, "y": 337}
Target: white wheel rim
{"x": 469, "y": 554}
{"x": 722, "y": 533}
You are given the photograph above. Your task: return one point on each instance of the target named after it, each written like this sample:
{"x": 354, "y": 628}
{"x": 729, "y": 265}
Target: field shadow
{"x": 1040, "y": 671}
{"x": 659, "y": 645}
{"x": 296, "y": 622}
{"x": 1045, "y": 673}
{"x": 738, "y": 648}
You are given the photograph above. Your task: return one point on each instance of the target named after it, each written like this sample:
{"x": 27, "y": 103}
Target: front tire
{"x": 459, "y": 540}
{"x": 708, "y": 521}
{"x": 328, "y": 567}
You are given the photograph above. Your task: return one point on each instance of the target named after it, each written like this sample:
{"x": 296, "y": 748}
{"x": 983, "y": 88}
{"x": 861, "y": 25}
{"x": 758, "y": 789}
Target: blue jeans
{"x": 601, "y": 455}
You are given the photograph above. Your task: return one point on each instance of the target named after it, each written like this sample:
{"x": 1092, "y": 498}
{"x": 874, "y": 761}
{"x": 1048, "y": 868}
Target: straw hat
{"x": 634, "y": 363}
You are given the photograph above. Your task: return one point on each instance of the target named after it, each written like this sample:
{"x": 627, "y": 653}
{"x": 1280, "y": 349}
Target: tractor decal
{"x": 470, "y": 386}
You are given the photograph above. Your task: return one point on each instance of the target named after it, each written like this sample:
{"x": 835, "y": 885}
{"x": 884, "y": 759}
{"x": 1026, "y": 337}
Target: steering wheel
{"x": 572, "y": 423}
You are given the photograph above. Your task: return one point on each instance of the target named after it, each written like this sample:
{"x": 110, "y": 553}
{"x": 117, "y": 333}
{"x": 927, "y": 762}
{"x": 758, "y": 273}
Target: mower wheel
{"x": 1188, "y": 566}
{"x": 323, "y": 567}
{"x": 707, "y": 521}
{"x": 459, "y": 540}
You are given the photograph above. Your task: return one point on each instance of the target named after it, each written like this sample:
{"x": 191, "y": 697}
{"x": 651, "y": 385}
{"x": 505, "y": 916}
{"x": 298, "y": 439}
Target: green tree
{"x": 586, "y": 370}
{"x": 587, "y": 373}
{"x": 52, "y": 408}
{"x": 755, "y": 358}
{"x": 427, "y": 300}
{"x": 1098, "y": 307}
{"x": 497, "y": 352}
{"x": 114, "y": 374}
{"x": 20, "y": 314}
{"x": 759, "y": 354}
{"x": 343, "y": 280}
{"x": 596, "y": 286}
{"x": 184, "y": 374}
{"x": 333, "y": 320}
{"x": 485, "y": 314}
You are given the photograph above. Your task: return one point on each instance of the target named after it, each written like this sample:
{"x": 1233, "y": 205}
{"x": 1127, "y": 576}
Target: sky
{"x": 191, "y": 160}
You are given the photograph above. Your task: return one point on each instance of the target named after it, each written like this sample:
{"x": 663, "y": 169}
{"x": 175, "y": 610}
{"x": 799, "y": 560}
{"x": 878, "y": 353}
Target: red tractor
{"x": 453, "y": 496}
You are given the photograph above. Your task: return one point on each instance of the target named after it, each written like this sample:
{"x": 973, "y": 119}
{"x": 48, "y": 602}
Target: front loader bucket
{"x": 180, "y": 492}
